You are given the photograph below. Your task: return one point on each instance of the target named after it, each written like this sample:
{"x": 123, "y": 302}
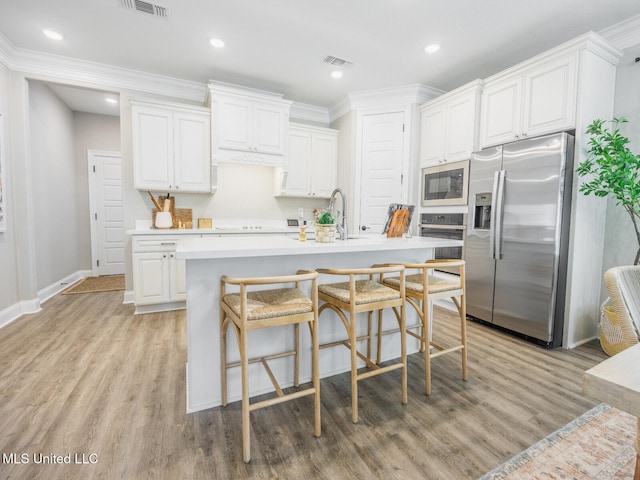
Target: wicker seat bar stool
{"x": 364, "y": 295}
{"x": 258, "y": 309}
{"x": 422, "y": 288}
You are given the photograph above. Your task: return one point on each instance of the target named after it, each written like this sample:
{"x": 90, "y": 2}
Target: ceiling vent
{"x": 337, "y": 62}
{"x": 145, "y": 7}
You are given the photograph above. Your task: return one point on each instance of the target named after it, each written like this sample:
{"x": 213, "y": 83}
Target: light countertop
{"x": 214, "y": 231}
{"x": 231, "y": 247}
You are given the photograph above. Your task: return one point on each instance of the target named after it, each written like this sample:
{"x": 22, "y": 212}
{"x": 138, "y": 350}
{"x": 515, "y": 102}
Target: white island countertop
{"x": 222, "y": 247}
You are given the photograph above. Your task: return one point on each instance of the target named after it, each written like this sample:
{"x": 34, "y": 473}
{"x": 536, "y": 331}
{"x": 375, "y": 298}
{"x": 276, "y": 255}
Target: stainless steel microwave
{"x": 446, "y": 184}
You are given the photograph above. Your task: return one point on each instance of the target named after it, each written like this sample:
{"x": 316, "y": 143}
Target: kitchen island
{"x": 208, "y": 258}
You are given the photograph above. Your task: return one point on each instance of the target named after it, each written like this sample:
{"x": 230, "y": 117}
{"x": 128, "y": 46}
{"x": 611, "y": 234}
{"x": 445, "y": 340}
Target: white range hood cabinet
{"x": 248, "y": 126}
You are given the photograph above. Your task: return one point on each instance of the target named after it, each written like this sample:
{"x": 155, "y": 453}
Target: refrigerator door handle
{"x": 492, "y": 220}
{"x": 499, "y": 207}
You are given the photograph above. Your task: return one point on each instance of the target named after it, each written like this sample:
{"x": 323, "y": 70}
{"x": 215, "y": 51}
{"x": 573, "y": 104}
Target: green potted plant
{"x": 325, "y": 227}
{"x": 612, "y": 169}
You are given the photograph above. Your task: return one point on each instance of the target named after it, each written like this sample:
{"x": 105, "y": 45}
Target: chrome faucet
{"x": 342, "y": 224}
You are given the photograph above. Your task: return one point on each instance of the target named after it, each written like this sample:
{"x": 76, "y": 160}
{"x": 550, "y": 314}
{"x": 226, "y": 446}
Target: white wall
{"x": 620, "y": 240}
{"x": 56, "y": 202}
{"x": 8, "y": 267}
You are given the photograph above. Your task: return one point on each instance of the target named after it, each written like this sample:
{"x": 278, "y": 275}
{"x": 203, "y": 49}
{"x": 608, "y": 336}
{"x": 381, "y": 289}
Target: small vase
{"x": 164, "y": 220}
{"x": 325, "y": 233}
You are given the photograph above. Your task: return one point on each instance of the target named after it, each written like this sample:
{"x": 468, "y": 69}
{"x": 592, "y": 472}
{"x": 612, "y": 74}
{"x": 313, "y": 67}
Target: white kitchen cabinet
{"x": 537, "y": 99}
{"x": 171, "y": 147}
{"x": 449, "y": 126}
{"x": 311, "y": 162}
{"x": 158, "y": 276}
{"x": 248, "y": 126}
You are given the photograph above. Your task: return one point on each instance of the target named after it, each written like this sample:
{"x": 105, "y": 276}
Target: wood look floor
{"x": 85, "y": 376}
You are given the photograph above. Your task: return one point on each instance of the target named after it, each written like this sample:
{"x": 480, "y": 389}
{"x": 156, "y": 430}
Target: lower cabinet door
{"x": 150, "y": 277}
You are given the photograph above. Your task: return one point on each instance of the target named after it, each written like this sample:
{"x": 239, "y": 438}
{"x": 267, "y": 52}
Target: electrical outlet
{"x": 301, "y": 212}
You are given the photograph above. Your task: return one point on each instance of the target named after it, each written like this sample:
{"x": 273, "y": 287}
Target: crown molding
{"x": 309, "y": 113}
{"x": 623, "y": 35}
{"x": 86, "y": 73}
{"x": 6, "y": 51}
{"x": 406, "y": 94}
{"x": 403, "y": 95}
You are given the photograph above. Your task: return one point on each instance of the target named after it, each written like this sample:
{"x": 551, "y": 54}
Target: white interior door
{"x": 382, "y": 167}
{"x": 107, "y": 216}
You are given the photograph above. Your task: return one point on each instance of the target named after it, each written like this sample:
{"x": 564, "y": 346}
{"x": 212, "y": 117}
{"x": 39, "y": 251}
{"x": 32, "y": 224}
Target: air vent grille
{"x": 145, "y": 7}
{"x": 338, "y": 62}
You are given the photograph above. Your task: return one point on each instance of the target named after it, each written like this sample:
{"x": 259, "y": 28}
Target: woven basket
{"x": 325, "y": 233}
{"x": 611, "y": 337}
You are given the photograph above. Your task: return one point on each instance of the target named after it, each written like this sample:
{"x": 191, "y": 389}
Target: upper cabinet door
{"x": 324, "y": 156}
{"x": 152, "y": 148}
{"x": 298, "y": 163}
{"x": 501, "y": 111}
{"x": 550, "y": 97}
{"x": 460, "y": 127}
{"x": 533, "y": 101}
{"x": 270, "y": 127}
{"x": 448, "y": 128}
{"x": 171, "y": 147}
{"x": 432, "y": 137}
{"x": 312, "y": 162}
{"x": 192, "y": 158}
{"x": 234, "y": 123}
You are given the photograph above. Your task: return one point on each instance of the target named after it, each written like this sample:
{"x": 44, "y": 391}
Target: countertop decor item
{"x": 325, "y": 227}
{"x": 398, "y": 219}
{"x": 163, "y": 220}
{"x": 613, "y": 169}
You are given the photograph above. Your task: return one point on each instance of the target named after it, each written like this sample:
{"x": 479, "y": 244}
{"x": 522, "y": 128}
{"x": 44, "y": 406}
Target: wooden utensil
{"x": 155, "y": 202}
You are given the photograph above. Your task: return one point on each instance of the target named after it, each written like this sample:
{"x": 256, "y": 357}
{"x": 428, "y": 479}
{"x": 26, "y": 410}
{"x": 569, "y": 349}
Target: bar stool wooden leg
{"x": 403, "y": 352}
{"x": 426, "y": 338}
{"x": 379, "y": 346}
{"x": 246, "y": 427}
{"x": 354, "y": 366}
{"x": 223, "y": 357}
{"x": 315, "y": 375}
{"x": 296, "y": 362}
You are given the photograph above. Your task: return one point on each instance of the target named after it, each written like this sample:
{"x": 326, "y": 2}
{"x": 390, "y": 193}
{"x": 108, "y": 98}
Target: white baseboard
{"x": 57, "y": 287}
{"x": 128, "y": 297}
{"x": 26, "y": 307}
{"x": 15, "y": 311}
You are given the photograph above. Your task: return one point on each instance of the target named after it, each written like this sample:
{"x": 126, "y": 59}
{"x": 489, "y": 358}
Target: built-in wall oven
{"x": 445, "y": 225}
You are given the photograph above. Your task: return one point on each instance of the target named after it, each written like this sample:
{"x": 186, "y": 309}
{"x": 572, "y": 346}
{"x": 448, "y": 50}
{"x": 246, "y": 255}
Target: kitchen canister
{"x": 164, "y": 220}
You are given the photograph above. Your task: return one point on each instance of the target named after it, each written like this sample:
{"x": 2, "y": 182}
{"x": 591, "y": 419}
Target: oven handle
{"x": 442, "y": 227}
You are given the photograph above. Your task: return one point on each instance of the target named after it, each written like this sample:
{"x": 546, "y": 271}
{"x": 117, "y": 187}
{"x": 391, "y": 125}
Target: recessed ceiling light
{"x": 111, "y": 100}
{"x": 52, "y": 35}
{"x": 336, "y": 74}
{"x": 216, "y": 42}
{"x": 432, "y": 48}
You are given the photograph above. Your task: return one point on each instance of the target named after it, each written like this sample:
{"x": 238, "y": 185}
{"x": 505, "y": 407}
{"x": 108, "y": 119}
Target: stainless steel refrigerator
{"x": 517, "y": 235}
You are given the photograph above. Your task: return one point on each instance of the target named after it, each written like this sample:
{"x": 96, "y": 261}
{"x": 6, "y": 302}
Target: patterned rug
{"x": 96, "y": 284}
{"x": 597, "y": 445}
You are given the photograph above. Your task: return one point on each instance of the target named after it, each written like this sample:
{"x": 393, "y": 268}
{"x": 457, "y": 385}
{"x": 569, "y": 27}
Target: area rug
{"x": 596, "y": 445}
{"x": 96, "y": 284}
